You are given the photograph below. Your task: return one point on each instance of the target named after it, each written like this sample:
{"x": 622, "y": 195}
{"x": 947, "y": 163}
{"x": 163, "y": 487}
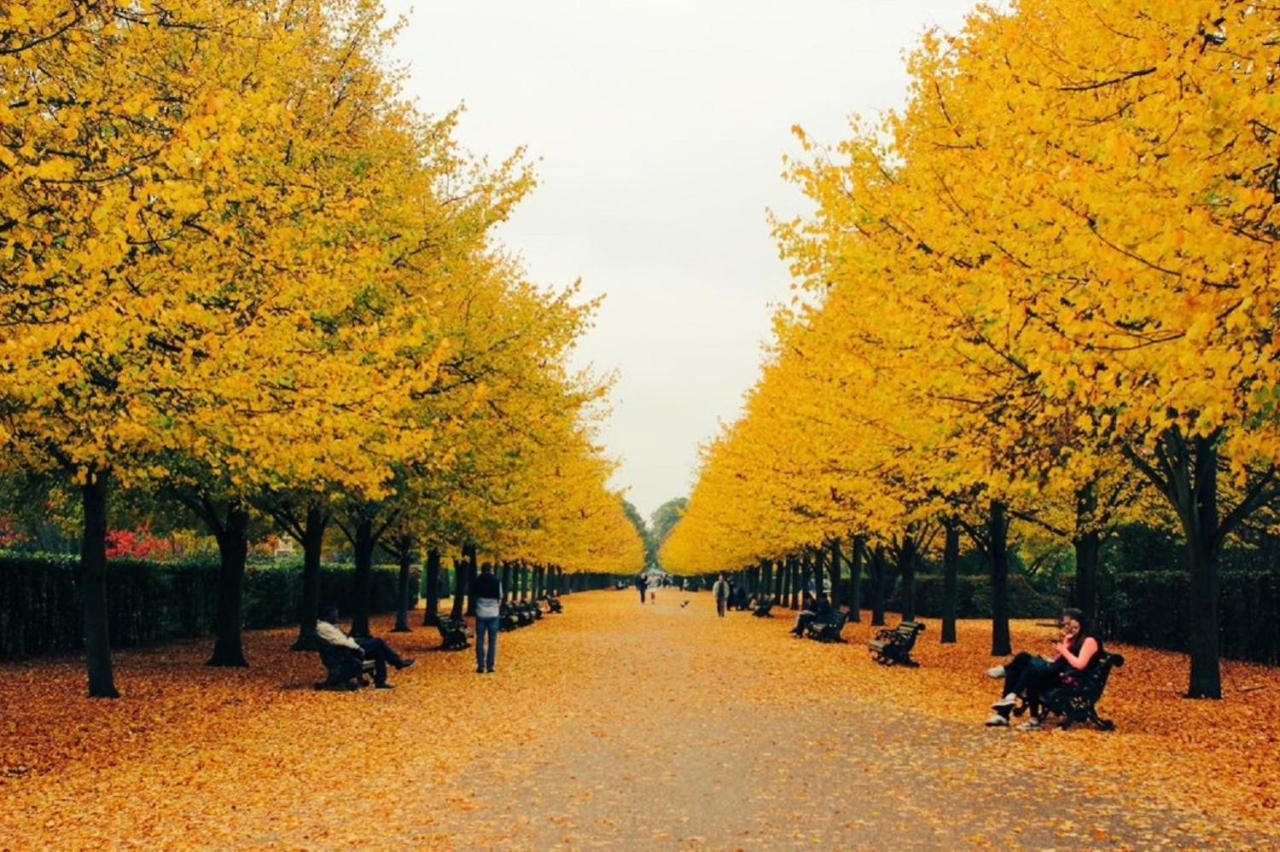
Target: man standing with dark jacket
{"x": 488, "y": 595}
{"x": 720, "y": 588}
{"x": 641, "y": 585}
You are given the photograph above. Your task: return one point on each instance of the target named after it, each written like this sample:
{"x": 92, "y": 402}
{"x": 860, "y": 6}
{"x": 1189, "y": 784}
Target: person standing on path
{"x": 641, "y": 585}
{"x": 488, "y": 594}
{"x": 654, "y": 581}
{"x": 720, "y": 588}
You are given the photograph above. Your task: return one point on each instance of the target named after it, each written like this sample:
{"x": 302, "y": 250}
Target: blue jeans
{"x": 489, "y": 627}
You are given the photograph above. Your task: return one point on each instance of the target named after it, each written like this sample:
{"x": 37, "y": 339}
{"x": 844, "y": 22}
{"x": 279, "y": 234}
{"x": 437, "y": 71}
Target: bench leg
{"x": 1100, "y": 723}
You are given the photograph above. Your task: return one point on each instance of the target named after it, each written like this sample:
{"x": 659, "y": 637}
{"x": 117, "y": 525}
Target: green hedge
{"x": 973, "y": 597}
{"x": 1153, "y": 608}
{"x": 41, "y": 611}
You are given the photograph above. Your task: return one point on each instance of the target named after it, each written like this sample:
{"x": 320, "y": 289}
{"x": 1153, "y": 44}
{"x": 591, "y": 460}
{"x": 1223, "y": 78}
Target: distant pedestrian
{"x": 488, "y": 594}
{"x": 641, "y": 585}
{"x": 654, "y": 582}
{"x": 720, "y": 588}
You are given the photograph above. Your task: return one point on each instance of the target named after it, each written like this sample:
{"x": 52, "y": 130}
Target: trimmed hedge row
{"x": 1153, "y": 608}
{"x": 973, "y": 597}
{"x": 41, "y": 611}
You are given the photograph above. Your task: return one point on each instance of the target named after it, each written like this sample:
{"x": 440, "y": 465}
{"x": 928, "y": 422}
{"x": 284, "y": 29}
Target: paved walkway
{"x": 611, "y": 725}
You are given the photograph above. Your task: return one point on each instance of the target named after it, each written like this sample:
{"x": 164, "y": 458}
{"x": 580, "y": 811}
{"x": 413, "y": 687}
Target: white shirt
{"x": 489, "y": 607}
{"x": 331, "y": 634}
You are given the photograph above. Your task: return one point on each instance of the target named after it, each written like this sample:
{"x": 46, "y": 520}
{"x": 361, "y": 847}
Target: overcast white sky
{"x": 658, "y": 130}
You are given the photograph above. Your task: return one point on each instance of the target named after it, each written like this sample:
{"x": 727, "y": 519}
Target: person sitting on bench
{"x": 380, "y": 652}
{"x": 1030, "y": 676}
{"x": 819, "y": 610}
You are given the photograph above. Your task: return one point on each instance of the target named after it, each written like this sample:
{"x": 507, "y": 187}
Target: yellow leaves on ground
{"x": 616, "y": 723}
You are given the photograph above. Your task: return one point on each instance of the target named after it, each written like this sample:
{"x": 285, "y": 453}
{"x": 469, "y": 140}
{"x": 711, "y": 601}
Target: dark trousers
{"x": 642, "y": 594}
{"x": 381, "y": 654}
{"x": 803, "y": 620}
{"x": 486, "y": 629}
{"x": 1028, "y": 676}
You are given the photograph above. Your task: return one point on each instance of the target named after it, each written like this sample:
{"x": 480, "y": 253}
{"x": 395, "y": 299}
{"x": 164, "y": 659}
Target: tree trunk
{"x": 469, "y": 558}
{"x": 1087, "y": 544}
{"x": 907, "y": 576}
{"x": 779, "y": 570}
{"x": 431, "y": 616}
{"x": 793, "y": 580}
{"x": 93, "y": 588}
{"x": 233, "y": 551}
{"x": 950, "y": 567}
{"x": 506, "y": 582}
{"x": 855, "y": 578}
{"x": 363, "y": 580}
{"x": 405, "y": 546}
{"x": 1197, "y": 493}
{"x": 309, "y": 597}
{"x": 833, "y": 567}
{"x": 878, "y": 571}
{"x": 459, "y": 587}
{"x": 998, "y": 555}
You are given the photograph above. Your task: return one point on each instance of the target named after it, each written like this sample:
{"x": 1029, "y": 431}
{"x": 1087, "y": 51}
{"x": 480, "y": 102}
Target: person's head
{"x": 722, "y": 575}
{"x": 822, "y": 597}
{"x": 1074, "y": 621}
{"x": 329, "y": 613}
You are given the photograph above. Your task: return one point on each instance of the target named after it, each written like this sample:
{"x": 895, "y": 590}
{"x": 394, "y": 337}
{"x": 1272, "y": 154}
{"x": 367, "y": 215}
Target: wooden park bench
{"x": 453, "y": 634}
{"x": 893, "y": 645}
{"x": 1077, "y": 698}
{"x": 827, "y": 631}
{"x": 343, "y": 669}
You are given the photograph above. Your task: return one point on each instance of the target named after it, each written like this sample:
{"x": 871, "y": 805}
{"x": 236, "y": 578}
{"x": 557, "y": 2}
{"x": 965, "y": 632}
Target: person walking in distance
{"x": 720, "y": 588}
{"x": 654, "y": 582}
{"x": 488, "y": 594}
{"x": 641, "y": 585}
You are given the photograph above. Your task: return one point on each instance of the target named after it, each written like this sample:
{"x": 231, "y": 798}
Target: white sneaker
{"x": 997, "y": 721}
{"x": 1008, "y": 701}
{"x": 995, "y": 671}
{"x": 1031, "y": 725}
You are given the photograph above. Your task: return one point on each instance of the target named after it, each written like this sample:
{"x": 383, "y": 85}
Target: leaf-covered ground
{"x": 613, "y": 724}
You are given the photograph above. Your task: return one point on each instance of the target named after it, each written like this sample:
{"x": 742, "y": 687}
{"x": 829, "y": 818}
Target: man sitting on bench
{"x": 819, "y": 610}
{"x": 380, "y": 652}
